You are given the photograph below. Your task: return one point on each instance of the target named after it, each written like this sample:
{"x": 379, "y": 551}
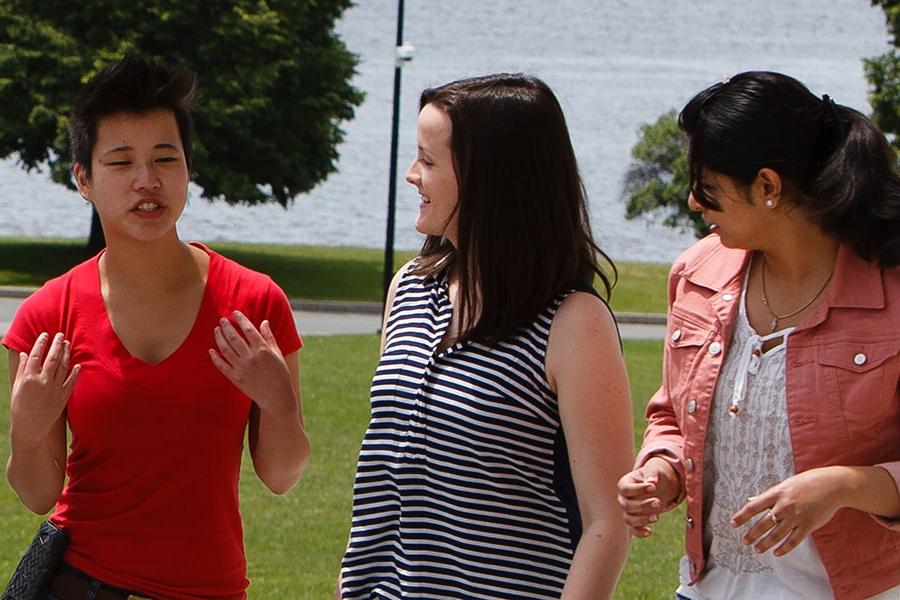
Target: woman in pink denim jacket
{"x": 779, "y": 414}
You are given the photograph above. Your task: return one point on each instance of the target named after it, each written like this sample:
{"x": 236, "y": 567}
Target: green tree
{"x": 658, "y": 180}
{"x": 274, "y": 83}
{"x": 883, "y": 73}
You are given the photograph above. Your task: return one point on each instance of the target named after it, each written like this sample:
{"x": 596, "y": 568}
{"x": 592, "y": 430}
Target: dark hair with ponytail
{"x": 835, "y": 161}
{"x": 523, "y": 229}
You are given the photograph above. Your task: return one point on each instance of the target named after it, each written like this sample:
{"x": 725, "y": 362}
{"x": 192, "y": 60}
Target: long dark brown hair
{"x": 524, "y": 233}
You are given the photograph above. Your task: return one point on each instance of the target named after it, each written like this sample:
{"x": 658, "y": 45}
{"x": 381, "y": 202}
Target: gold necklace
{"x": 765, "y": 298}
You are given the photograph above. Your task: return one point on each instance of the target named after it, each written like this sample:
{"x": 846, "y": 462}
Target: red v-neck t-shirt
{"x": 151, "y": 502}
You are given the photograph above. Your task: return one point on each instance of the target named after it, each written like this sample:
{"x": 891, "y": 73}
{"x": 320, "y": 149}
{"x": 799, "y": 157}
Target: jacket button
{"x": 692, "y": 407}
{"x": 675, "y": 335}
{"x": 859, "y": 359}
{"x": 728, "y": 297}
{"x": 689, "y": 464}
{"x": 689, "y": 521}
{"x": 715, "y": 348}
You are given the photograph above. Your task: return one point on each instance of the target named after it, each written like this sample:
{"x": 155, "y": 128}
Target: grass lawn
{"x": 294, "y": 543}
{"x": 308, "y": 272}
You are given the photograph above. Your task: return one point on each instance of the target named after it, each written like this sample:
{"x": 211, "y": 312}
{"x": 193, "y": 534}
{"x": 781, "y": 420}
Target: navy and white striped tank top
{"x": 463, "y": 487}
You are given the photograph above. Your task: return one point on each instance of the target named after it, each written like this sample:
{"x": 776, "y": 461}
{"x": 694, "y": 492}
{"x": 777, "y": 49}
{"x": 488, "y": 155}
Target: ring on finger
{"x": 770, "y": 514}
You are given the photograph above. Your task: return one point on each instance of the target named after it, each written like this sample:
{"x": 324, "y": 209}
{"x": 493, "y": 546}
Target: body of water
{"x": 614, "y": 64}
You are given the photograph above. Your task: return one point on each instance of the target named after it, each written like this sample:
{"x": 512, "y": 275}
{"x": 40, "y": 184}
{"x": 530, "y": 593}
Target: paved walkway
{"x": 342, "y": 318}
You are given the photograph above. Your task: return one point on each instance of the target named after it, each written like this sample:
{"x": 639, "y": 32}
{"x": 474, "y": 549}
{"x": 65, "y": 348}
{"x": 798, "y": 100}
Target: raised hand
{"x": 252, "y": 361}
{"x": 645, "y": 493}
{"x": 41, "y": 389}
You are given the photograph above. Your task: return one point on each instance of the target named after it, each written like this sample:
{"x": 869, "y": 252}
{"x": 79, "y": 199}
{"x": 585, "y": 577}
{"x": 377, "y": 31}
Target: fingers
{"x": 69, "y": 383}
{"x": 639, "y": 505}
{"x": 224, "y": 344}
{"x": 754, "y": 506}
{"x": 641, "y": 532}
{"x": 53, "y": 367}
{"x": 57, "y": 361}
{"x": 769, "y": 532}
{"x": 792, "y": 540}
{"x": 220, "y": 363}
{"x": 37, "y": 352}
{"x": 266, "y": 330}
{"x": 23, "y": 364}
{"x": 247, "y": 328}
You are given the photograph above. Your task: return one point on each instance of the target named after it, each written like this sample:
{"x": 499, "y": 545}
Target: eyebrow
{"x": 160, "y": 146}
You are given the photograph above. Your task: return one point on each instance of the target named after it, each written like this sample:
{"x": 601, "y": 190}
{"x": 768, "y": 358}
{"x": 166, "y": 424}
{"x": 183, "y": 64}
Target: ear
{"x": 768, "y": 187}
{"x": 82, "y": 181}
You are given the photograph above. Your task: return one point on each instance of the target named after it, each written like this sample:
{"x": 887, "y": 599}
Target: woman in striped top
{"x": 501, "y": 416}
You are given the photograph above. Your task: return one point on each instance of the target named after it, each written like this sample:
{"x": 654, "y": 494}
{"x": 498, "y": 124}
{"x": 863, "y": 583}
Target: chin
{"x": 734, "y": 245}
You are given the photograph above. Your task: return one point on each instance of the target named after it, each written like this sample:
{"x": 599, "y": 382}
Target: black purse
{"x": 37, "y": 564}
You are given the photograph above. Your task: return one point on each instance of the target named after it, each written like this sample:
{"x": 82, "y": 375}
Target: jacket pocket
{"x": 862, "y": 377}
{"x": 683, "y": 354}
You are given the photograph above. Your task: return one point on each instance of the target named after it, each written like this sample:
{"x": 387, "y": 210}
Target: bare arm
{"x": 585, "y": 367}
{"x": 252, "y": 360}
{"x": 39, "y": 390}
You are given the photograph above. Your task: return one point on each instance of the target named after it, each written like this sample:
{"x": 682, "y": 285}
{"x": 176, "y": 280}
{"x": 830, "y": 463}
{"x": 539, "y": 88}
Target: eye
{"x": 426, "y": 162}
{"x": 118, "y": 163}
{"x": 166, "y": 159}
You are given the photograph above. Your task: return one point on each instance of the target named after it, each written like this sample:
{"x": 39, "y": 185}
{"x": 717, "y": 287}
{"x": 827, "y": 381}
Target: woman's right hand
{"x": 40, "y": 390}
{"x": 646, "y": 492}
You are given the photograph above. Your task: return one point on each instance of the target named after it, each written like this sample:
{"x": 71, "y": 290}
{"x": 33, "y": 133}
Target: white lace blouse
{"x": 748, "y": 450}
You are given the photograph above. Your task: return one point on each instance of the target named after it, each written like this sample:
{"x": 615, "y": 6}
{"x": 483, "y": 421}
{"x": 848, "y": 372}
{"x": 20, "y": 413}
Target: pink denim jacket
{"x": 843, "y": 399}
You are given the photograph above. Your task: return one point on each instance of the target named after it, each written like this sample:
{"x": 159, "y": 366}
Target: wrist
{"x": 667, "y": 477}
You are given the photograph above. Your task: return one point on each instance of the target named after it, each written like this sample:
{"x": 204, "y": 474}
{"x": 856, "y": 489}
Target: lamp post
{"x": 404, "y": 54}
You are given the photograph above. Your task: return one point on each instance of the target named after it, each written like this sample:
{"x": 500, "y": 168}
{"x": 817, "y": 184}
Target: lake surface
{"x": 614, "y": 64}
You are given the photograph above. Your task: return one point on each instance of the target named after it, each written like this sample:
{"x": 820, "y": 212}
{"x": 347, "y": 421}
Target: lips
{"x": 146, "y": 207}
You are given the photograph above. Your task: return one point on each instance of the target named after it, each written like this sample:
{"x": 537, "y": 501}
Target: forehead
{"x": 137, "y": 129}
{"x": 434, "y": 126}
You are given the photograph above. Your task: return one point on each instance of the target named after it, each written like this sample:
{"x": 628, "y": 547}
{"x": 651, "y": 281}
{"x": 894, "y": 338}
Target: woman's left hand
{"x": 791, "y": 510}
{"x": 252, "y": 361}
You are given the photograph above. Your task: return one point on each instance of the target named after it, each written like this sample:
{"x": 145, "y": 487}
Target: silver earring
{"x": 770, "y": 203}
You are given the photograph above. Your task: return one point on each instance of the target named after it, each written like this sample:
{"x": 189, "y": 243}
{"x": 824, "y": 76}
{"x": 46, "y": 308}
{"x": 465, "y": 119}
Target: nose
{"x": 146, "y": 177}
{"x": 412, "y": 174}
{"x": 693, "y": 204}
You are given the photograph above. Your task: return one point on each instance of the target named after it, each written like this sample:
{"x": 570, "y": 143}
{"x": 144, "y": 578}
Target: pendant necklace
{"x": 765, "y": 298}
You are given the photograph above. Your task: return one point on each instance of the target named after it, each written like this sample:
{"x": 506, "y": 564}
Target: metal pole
{"x": 392, "y": 182}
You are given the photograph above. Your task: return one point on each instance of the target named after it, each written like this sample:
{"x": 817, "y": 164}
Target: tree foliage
{"x": 883, "y": 73}
{"x": 274, "y": 83}
{"x": 658, "y": 180}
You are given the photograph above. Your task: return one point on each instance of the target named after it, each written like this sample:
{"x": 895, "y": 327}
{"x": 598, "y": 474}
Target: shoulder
{"x": 583, "y": 339}
{"x": 407, "y": 281}
{"x": 707, "y": 264}
{"x": 51, "y": 306}
{"x": 582, "y": 318}
{"x": 55, "y": 291}
{"x": 231, "y": 285}
{"x": 230, "y": 272}
{"x": 703, "y": 253}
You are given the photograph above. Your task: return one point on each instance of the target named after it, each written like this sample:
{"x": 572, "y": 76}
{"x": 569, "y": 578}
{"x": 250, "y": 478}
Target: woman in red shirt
{"x": 159, "y": 355}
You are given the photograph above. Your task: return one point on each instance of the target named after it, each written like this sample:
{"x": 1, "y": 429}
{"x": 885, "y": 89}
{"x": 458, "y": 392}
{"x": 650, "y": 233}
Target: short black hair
{"x": 134, "y": 84}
